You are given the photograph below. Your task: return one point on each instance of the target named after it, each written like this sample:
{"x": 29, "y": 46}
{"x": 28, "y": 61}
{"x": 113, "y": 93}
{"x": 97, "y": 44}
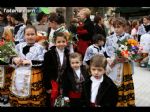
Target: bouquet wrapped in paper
{"x": 7, "y": 50}
{"x": 41, "y": 35}
{"x": 128, "y": 49}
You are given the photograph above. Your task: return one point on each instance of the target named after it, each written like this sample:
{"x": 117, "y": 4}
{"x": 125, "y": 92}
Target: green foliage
{"x": 7, "y": 50}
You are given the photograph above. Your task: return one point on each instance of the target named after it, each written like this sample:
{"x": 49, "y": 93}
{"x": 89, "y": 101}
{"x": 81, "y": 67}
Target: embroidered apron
{"x": 117, "y": 69}
{"x": 2, "y": 77}
{"x": 21, "y": 79}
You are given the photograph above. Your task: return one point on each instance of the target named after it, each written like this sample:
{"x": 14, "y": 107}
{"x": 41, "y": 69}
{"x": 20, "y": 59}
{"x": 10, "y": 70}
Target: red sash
{"x": 73, "y": 94}
{"x": 54, "y": 92}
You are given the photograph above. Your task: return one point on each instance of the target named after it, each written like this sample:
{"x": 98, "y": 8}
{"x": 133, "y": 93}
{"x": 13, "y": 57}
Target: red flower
{"x": 2, "y": 43}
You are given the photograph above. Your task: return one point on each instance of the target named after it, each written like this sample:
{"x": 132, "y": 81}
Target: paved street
{"x": 142, "y": 87}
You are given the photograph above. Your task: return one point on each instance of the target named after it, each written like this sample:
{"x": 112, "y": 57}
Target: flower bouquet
{"x": 128, "y": 50}
{"x": 7, "y": 50}
{"x": 41, "y": 35}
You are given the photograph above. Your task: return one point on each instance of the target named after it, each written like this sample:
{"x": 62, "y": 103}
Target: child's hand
{"x": 66, "y": 99}
{"x": 17, "y": 61}
{"x": 26, "y": 62}
{"x": 110, "y": 61}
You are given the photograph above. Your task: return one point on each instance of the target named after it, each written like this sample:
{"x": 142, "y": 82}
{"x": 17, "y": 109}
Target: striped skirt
{"x": 37, "y": 97}
{"x": 126, "y": 96}
{"x": 5, "y": 90}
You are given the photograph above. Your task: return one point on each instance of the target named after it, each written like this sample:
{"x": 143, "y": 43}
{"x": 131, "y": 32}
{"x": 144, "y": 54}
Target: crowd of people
{"x": 77, "y": 62}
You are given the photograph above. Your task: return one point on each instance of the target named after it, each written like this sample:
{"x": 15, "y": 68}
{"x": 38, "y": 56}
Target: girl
{"x": 135, "y": 25}
{"x": 56, "y": 61}
{"x": 144, "y": 28}
{"x": 74, "y": 79}
{"x": 5, "y": 79}
{"x": 8, "y": 30}
{"x": 111, "y": 28}
{"x": 27, "y": 88}
{"x": 122, "y": 69}
{"x": 99, "y": 90}
{"x": 95, "y": 48}
{"x": 7, "y": 70}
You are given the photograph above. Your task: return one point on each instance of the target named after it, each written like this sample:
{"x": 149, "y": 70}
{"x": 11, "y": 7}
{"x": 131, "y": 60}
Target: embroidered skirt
{"x": 37, "y": 96}
{"x": 126, "y": 96}
{"x": 7, "y": 80}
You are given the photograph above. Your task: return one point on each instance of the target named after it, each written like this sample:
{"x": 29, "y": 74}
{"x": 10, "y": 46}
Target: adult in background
{"x": 85, "y": 30}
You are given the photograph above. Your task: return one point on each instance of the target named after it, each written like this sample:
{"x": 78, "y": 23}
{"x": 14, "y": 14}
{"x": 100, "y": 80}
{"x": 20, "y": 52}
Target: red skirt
{"x": 82, "y": 45}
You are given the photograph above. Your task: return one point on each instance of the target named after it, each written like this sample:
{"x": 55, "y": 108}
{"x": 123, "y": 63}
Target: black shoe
{"x": 5, "y": 101}
{"x": 1, "y": 99}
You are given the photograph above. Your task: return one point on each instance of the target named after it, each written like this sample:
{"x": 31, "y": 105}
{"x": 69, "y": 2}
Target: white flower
{"x": 122, "y": 46}
{"x": 125, "y": 47}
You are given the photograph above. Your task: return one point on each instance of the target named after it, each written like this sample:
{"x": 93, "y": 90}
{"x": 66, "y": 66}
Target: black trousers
{"x": 74, "y": 102}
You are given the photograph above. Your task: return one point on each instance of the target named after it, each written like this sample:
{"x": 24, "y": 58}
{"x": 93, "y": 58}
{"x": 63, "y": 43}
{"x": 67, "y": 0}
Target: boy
{"x": 99, "y": 90}
{"x": 74, "y": 79}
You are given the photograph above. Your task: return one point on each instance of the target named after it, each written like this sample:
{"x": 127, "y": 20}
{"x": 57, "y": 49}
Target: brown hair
{"x": 97, "y": 19}
{"x": 75, "y": 55}
{"x": 30, "y": 26}
{"x": 134, "y": 23}
{"x": 146, "y": 17}
{"x": 119, "y": 21}
{"x": 59, "y": 34}
{"x": 58, "y": 18}
{"x": 98, "y": 61}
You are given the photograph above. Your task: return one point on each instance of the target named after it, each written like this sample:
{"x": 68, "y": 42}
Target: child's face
{"x": 75, "y": 63}
{"x": 30, "y": 35}
{"x": 61, "y": 42}
{"x": 100, "y": 43}
{"x": 53, "y": 24}
{"x": 119, "y": 29}
{"x": 97, "y": 72}
{"x": 82, "y": 15}
{"x": 145, "y": 21}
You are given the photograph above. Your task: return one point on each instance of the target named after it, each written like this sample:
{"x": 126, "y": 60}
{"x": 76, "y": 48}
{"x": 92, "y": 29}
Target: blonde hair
{"x": 86, "y": 11}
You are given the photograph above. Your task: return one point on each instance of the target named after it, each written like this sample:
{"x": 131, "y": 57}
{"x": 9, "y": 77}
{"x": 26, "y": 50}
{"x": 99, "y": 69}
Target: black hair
{"x": 17, "y": 16}
{"x": 98, "y": 37}
{"x": 40, "y": 16}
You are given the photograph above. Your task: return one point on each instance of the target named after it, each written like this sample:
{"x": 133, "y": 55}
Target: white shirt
{"x": 95, "y": 86}
{"x": 78, "y": 72}
{"x": 61, "y": 55}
